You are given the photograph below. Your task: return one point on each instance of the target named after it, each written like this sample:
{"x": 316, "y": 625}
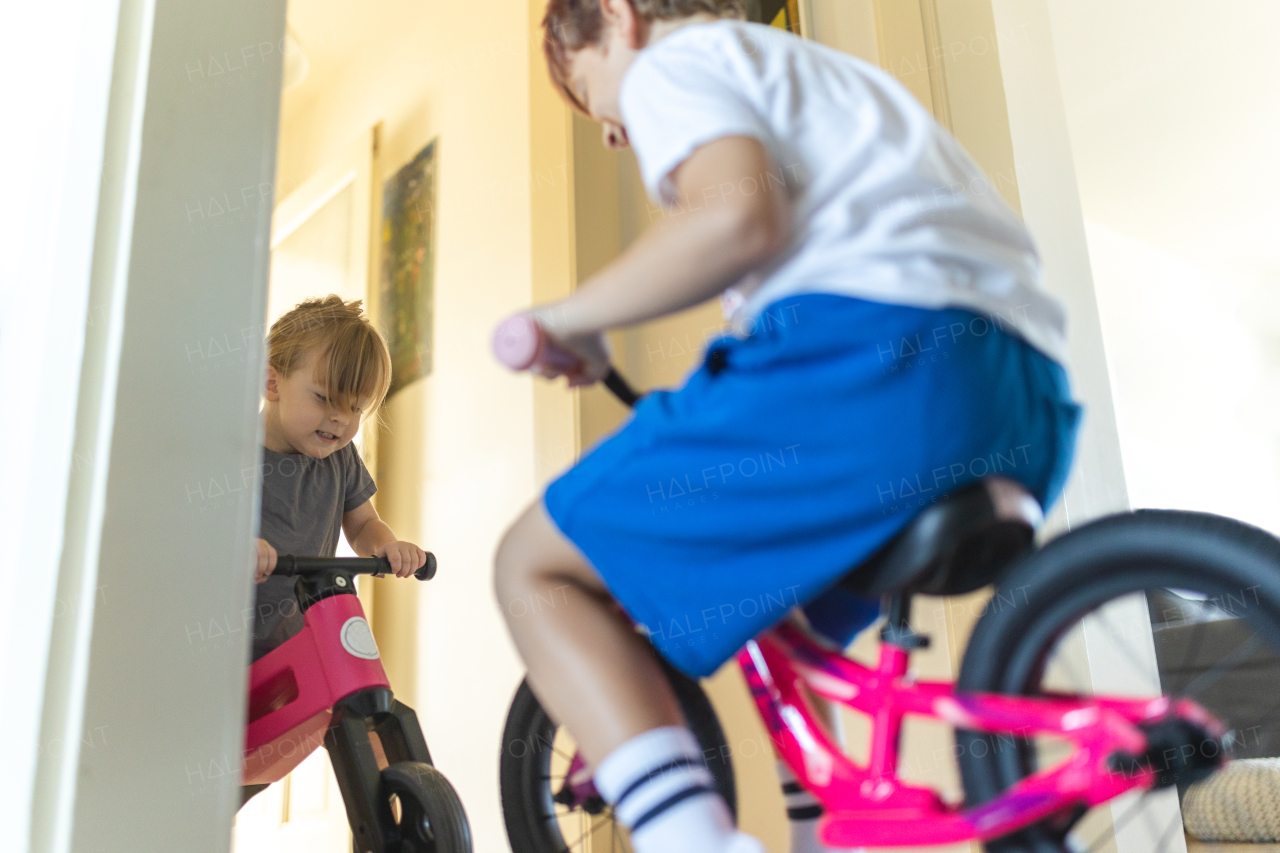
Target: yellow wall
{"x": 457, "y": 459}
{"x": 967, "y": 56}
{"x": 848, "y": 25}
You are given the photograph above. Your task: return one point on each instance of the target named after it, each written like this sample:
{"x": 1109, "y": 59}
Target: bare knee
{"x": 534, "y": 564}
{"x": 514, "y": 575}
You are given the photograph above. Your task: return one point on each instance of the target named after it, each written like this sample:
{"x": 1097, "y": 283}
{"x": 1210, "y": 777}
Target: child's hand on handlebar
{"x": 405, "y": 557}
{"x": 266, "y": 561}
{"x": 543, "y": 342}
{"x": 591, "y": 350}
{"x": 593, "y": 354}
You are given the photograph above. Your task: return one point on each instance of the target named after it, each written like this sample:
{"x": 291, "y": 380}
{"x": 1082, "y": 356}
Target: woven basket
{"x": 1239, "y": 803}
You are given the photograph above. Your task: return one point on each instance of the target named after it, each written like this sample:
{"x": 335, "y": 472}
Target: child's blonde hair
{"x": 354, "y": 362}
{"x": 571, "y": 25}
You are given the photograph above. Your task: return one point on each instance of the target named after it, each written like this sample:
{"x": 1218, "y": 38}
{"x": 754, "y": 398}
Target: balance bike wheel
{"x": 424, "y": 810}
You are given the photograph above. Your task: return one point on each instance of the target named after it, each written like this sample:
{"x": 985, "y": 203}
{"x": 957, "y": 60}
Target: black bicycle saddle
{"x": 962, "y": 543}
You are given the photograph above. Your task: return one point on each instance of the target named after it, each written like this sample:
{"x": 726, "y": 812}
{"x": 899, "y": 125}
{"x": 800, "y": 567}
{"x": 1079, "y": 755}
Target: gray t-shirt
{"x": 303, "y": 501}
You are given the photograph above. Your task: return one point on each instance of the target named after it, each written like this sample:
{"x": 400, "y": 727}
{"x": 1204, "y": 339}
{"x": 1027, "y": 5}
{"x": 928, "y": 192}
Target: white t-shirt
{"x": 886, "y": 204}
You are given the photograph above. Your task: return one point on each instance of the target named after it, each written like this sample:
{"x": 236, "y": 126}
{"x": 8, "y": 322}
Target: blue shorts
{"x": 791, "y": 455}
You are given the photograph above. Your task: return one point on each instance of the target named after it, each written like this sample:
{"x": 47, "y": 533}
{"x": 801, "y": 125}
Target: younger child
{"x": 327, "y": 369}
{"x": 894, "y": 345}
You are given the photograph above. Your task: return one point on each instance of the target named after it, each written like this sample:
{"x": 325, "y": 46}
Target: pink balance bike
{"x": 1131, "y": 655}
{"x": 326, "y": 685}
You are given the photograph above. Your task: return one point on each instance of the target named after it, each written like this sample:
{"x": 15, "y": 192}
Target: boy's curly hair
{"x": 571, "y": 25}
{"x": 354, "y": 362}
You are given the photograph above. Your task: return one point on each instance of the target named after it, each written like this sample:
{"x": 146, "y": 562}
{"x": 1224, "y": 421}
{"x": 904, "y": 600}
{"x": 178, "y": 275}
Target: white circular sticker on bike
{"x": 357, "y": 639}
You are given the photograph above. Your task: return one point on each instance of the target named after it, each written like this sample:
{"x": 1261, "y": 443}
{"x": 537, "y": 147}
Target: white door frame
{"x": 158, "y": 185}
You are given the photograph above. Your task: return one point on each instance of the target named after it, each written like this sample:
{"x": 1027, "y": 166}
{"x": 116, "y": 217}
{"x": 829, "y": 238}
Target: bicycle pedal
{"x": 1178, "y": 753}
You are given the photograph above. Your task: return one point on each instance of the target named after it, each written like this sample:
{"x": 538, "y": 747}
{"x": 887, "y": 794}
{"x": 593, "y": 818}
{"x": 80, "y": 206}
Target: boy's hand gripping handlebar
{"x": 521, "y": 343}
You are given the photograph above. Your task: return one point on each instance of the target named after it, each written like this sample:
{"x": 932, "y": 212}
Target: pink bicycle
{"x": 326, "y": 685}
{"x": 1174, "y": 615}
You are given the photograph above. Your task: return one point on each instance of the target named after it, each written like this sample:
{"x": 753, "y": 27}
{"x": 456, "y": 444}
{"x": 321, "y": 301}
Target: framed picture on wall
{"x": 408, "y": 267}
{"x": 784, "y": 14}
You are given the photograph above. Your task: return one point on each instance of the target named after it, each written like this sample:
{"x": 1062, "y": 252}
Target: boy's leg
{"x": 588, "y": 666}
{"x": 832, "y": 621}
{"x": 596, "y": 676}
{"x": 804, "y": 811}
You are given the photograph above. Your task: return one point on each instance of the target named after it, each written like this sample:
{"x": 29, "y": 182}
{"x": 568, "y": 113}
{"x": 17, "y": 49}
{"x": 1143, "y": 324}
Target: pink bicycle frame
{"x": 870, "y": 807}
{"x": 292, "y": 690}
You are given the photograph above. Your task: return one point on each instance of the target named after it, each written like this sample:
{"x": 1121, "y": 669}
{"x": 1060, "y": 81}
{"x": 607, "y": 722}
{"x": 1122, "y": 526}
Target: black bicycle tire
{"x": 435, "y": 796}
{"x": 528, "y": 729}
{"x": 1053, "y": 588}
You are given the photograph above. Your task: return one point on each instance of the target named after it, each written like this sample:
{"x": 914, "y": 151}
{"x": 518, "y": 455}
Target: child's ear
{"x": 615, "y": 136}
{"x": 273, "y": 385}
{"x": 621, "y": 14}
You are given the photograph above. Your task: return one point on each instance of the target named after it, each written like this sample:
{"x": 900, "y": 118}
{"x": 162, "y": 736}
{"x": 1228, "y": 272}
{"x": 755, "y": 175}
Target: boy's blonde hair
{"x": 354, "y": 362}
{"x": 571, "y": 25}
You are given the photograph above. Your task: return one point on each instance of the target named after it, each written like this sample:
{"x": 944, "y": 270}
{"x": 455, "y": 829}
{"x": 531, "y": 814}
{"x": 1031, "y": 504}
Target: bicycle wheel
{"x": 424, "y": 809}
{"x": 536, "y": 754}
{"x": 1150, "y": 603}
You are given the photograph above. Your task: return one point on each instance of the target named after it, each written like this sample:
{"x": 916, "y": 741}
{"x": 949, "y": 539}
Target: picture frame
{"x": 407, "y": 282}
{"x": 790, "y": 15}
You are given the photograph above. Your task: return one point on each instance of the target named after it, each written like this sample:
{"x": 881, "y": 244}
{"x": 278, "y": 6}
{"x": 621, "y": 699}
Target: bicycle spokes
{"x": 585, "y": 821}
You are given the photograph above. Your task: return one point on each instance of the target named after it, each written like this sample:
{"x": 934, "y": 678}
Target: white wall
{"x": 1172, "y": 112}
{"x": 113, "y": 287}
{"x": 1051, "y": 207}
{"x": 55, "y": 124}
{"x": 164, "y": 699}
{"x": 1195, "y": 357}
{"x": 1042, "y": 79}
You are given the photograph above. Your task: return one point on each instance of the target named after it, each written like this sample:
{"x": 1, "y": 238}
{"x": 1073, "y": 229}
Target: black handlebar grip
{"x": 428, "y": 570}
{"x": 291, "y": 566}
{"x": 621, "y": 389}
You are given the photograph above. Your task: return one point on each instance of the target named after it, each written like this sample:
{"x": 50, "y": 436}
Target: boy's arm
{"x": 369, "y": 536}
{"x": 726, "y": 230}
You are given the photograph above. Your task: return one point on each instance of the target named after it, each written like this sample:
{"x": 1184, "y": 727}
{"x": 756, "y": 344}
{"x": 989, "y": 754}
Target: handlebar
{"x": 290, "y": 566}
{"x": 521, "y": 343}
{"x": 621, "y": 389}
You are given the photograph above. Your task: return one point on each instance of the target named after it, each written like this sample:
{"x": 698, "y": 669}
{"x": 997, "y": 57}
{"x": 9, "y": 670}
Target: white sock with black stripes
{"x": 803, "y": 812}
{"x": 661, "y": 790}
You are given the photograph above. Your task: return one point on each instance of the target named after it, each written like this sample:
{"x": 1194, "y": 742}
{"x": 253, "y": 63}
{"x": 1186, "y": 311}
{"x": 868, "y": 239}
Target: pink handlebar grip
{"x": 516, "y": 341}
{"x": 520, "y": 343}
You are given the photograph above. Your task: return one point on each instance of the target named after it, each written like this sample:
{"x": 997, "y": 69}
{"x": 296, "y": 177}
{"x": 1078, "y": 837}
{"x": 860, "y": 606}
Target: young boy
{"x": 327, "y": 369}
{"x": 893, "y": 346}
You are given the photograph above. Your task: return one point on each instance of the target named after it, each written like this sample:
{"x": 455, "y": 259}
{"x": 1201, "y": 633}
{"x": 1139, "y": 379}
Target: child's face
{"x": 306, "y": 421}
{"x": 596, "y": 71}
{"x": 595, "y": 75}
